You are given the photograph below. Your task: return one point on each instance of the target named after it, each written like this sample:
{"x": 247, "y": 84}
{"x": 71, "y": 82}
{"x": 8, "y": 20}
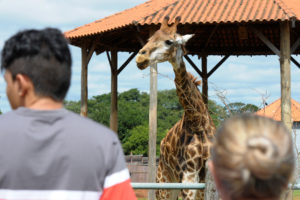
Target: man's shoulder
{"x": 7, "y": 116}
{"x": 88, "y": 125}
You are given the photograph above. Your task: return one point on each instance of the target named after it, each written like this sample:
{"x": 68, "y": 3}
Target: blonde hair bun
{"x": 261, "y": 156}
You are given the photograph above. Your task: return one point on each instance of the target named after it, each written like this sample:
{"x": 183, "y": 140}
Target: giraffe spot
{"x": 191, "y": 164}
{"x": 205, "y": 152}
{"x": 173, "y": 142}
{"x": 192, "y": 152}
{"x": 159, "y": 175}
{"x": 180, "y": 175}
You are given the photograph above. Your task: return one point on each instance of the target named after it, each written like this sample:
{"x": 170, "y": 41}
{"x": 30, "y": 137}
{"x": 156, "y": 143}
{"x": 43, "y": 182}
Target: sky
{"x": 240, "y": 79}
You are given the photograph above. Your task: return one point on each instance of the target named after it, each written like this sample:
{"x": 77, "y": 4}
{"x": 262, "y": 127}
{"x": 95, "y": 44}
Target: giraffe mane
{"x": 194, "y": 79}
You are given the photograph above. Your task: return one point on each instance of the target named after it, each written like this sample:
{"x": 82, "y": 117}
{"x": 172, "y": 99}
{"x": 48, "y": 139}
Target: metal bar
{"x": 177, "y": 186}
{"x": 168, "y": 185}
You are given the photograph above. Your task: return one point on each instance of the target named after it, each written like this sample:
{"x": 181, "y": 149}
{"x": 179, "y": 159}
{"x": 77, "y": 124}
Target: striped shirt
{"x": 58, "y": 155}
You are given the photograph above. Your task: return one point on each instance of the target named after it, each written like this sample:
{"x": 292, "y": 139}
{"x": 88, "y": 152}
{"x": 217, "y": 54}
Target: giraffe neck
{"x": 195, "y": 111}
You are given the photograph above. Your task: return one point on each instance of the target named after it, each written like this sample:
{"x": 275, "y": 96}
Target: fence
{"x": 175, "y": 186}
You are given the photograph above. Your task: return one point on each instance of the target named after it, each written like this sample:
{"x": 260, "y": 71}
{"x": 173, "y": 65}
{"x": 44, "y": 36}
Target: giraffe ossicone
{"x": 185, "y": 148}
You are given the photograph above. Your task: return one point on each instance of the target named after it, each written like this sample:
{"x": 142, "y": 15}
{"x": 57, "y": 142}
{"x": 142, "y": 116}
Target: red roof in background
{"x": 194, "y": 11}
{"x": 274, "y": 110}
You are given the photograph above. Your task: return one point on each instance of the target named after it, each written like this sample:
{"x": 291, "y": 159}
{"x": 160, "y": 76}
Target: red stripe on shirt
{"x": 121, "y": 191}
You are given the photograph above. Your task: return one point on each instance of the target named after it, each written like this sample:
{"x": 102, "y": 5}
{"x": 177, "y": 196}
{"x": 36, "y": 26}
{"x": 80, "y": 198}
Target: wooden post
{"x": 152, "y": 129}
{"x": 84, "y": 76}
{"x": 114, "y": 91}
{"x": 204, "y": 80}
{"x": 285, "y": 79}
{"x": 285, "y": 74}
{"x": 210, "y": 191}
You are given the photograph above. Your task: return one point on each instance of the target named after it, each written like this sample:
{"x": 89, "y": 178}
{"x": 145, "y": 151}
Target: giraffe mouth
{"x": 143, "y": 65}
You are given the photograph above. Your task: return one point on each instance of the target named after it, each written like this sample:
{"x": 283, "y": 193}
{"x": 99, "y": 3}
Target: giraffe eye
{"x": 169, "y": 42}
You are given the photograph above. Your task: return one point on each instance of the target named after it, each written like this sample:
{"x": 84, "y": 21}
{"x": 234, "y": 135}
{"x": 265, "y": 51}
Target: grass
{"x": 296, "y": 195}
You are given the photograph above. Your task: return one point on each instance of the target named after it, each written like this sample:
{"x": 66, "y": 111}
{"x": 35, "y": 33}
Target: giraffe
{"x": 185, "y": 148}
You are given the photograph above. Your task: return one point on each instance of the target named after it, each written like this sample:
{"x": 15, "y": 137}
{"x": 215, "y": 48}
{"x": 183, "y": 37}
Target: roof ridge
{"x": 172, "y": 2}
{"x": 288, "y": 11}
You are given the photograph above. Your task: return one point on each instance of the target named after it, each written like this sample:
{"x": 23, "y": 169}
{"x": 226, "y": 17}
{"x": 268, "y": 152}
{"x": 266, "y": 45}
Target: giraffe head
{"x": 164, "y": 45}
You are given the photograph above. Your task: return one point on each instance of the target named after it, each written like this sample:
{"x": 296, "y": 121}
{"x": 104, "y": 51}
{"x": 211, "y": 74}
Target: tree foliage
{"x": 133, "y": 115}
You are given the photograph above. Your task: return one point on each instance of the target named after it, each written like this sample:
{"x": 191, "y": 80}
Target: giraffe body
{"x": 185, "y": 148}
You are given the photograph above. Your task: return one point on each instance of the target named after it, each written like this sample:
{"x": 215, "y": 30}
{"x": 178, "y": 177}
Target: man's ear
{"x": 24, "y": 84}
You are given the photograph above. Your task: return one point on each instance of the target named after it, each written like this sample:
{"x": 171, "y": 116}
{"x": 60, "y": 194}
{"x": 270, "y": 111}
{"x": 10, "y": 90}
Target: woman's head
{"x": 252, "y": 157}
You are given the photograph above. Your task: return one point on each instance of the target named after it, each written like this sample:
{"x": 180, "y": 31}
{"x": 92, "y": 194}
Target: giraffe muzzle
{"x": 142, "y": 62}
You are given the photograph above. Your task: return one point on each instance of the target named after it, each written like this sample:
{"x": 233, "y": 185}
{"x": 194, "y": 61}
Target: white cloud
{"x": 50, "y": 12}
{"x": 100, "y": 67}
{"x": 60, "y": 13}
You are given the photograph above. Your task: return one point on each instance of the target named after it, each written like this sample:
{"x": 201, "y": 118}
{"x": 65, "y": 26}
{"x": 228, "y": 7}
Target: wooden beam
{"x": 114, "y": 91}
{"x": 91, "y": 51}
{"x": 152, "y": 128}
{"x": 295, "y": 62}
{"x": 204, "y": 80}
{"x": 84, "y": 90}
{"x": 193, "y": 65}
{"x": 285, "y": 74}
{"x": 109, "y": 58}
{"x": 295, "y": 45}
{"x": 265, "y": 40}
{"x": 210, "y": 36}
{"x": 86, "y": 55}
{"x": 140, "y": 39}
{"x": 126, "y": 62}
{"x": 217, "y": 65}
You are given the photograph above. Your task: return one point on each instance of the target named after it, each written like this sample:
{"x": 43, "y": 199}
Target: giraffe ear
{"x": 182, "y": 39}
{"x": 186, "y": 38}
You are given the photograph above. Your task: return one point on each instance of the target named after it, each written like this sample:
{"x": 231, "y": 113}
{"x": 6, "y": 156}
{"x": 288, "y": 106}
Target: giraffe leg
{"x": 165, "y": 175}
{"x": 191, "y": 177}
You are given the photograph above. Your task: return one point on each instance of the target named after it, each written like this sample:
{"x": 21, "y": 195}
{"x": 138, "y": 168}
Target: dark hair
{"x": 43, "y": 56}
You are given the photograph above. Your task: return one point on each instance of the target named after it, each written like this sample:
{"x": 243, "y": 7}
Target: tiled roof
{"x": 194, "y": 11}
{"x": 274, "y": 110}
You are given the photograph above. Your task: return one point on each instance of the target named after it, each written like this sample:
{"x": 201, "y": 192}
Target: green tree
{"x": 137, "y": 142}
{"x": 133, "y": 115}
{"x": 239, "y": 107}
{"x": 72, "y": 106}
{"x": 217, "y": 112}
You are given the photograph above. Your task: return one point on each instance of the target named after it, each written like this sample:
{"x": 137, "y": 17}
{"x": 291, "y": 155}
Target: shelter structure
{"x": 273, "y": 111}
{"x": 221, "y": 27}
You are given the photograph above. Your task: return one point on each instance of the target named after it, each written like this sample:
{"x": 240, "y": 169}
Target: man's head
{"x": 39, "y": 57}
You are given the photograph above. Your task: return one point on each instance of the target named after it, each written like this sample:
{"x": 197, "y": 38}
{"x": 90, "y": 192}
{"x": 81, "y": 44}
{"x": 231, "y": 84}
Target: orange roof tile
{"x": 274, "y": 110}
{"x": 194, "y": 11}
